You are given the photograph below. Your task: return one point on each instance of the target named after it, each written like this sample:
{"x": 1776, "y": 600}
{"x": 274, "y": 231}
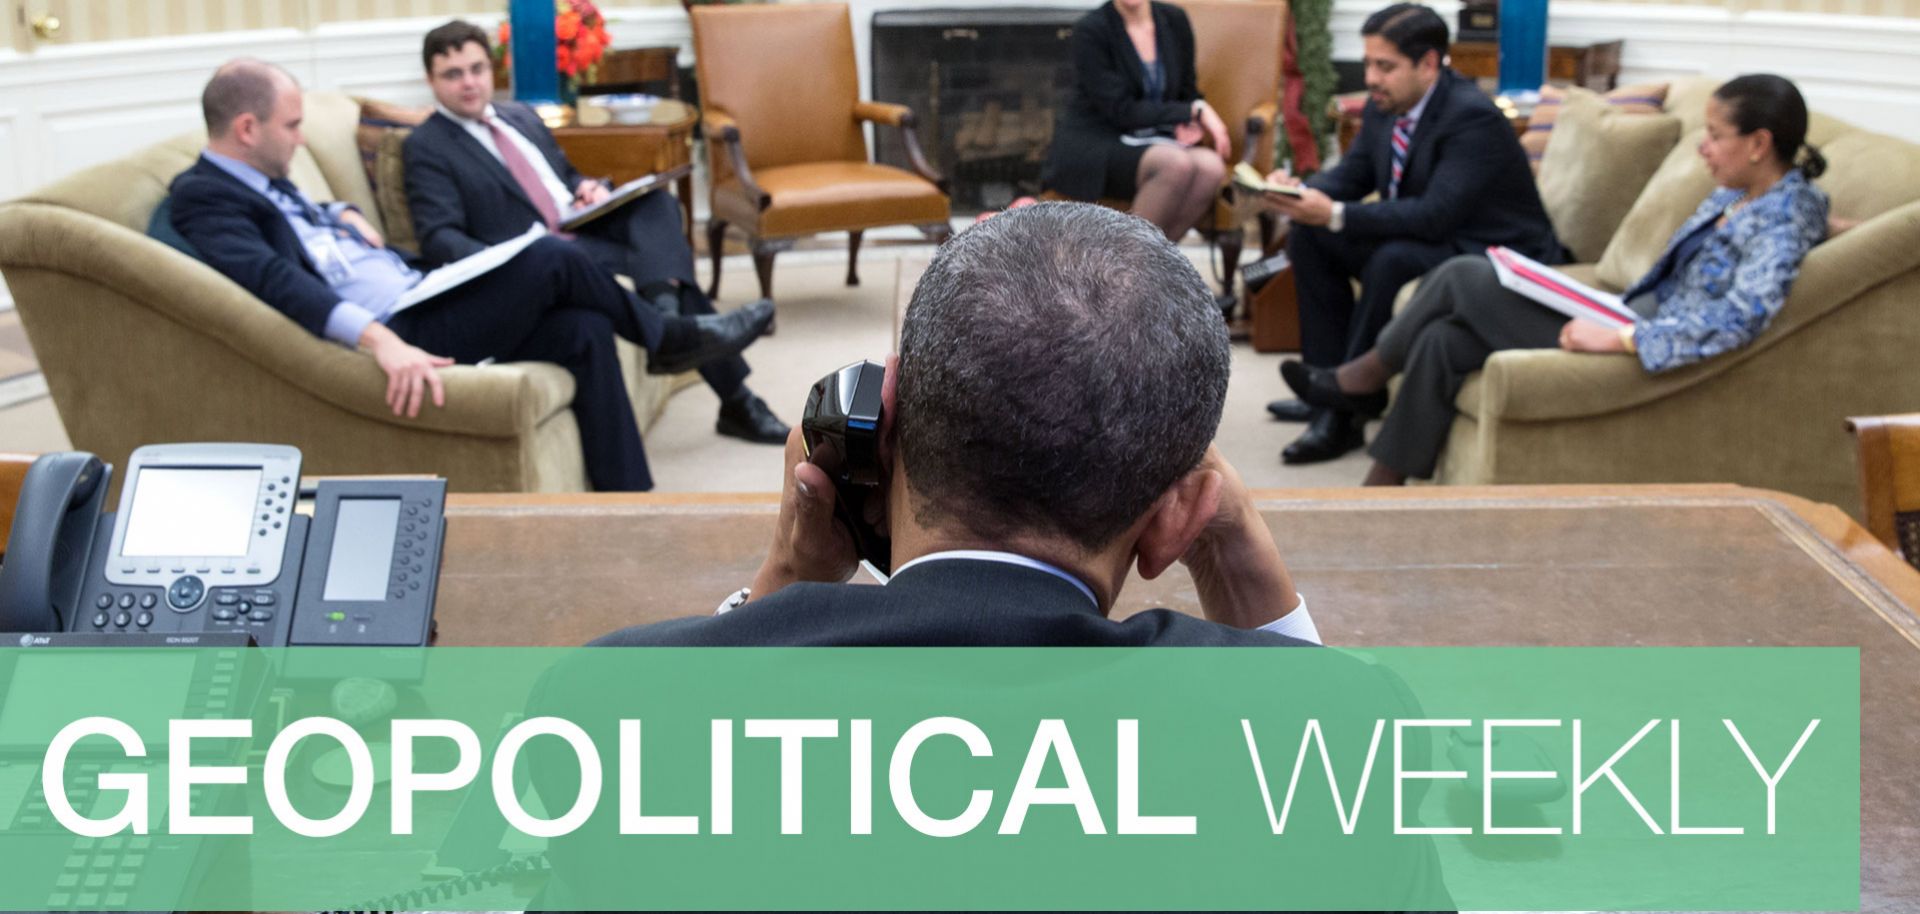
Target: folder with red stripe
{"x": 1557, "y": 290}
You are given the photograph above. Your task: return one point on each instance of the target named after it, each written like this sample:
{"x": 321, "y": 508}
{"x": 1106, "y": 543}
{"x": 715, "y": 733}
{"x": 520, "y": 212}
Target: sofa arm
{"x": 497, "y": 401}
{"x": 1545, "y": 384}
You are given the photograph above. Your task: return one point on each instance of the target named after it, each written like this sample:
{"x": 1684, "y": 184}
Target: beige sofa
{"x": 1771, "y": 414}
{"x": 141, "y": 344}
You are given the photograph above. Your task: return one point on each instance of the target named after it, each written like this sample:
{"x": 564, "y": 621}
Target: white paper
{"x": 466, "y": 268}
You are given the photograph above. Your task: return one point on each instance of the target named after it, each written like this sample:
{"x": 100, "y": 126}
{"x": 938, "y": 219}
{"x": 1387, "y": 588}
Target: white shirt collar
{"x": 986, "y": 555}
{"x": 489, "y": 114}
{"x": 1420, "y": 107}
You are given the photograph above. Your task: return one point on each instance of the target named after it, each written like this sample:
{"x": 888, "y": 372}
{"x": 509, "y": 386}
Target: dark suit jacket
{"x": 948, "y": 603}
{"x": 1109, "y": 95}
{"x": 462, "y": 198}
{"x": 1466, "y": 182}
{"x": 243, "y": 235}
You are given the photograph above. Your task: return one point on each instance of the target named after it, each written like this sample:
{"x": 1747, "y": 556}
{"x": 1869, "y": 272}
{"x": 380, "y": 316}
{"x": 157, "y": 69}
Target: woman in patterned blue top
{"x": 1722, "y": 278}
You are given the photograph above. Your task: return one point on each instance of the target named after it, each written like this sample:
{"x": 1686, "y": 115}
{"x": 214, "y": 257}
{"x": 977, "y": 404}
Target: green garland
{"x": 1311, "y": 26}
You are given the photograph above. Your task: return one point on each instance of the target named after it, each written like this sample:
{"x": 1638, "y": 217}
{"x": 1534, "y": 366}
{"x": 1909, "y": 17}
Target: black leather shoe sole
{"x": 1316, "y": 386}
{"x": 717, "y": 336}
{"x": 1291, "y": 410}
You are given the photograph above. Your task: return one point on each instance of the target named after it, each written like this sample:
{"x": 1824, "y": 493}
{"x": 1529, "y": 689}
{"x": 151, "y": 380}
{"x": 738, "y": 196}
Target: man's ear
{"x": 1176, "y": 519}
{"x": 889, "y": 400}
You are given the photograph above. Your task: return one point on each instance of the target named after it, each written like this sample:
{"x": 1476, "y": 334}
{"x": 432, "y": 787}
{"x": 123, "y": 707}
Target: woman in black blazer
{"x": 1133, "y": 125}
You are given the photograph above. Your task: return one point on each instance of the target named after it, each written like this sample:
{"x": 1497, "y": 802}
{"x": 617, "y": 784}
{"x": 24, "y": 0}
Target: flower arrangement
{"x": 580, "y": 41}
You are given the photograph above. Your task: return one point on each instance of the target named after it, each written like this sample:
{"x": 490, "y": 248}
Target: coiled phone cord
{"x": 423, "y": 898}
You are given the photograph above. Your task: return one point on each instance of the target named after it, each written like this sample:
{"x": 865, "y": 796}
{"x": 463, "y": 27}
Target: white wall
{"x": 66, "y": 107}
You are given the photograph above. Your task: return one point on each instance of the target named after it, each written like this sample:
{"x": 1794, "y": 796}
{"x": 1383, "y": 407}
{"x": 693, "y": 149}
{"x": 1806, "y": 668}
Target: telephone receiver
{"x": 50, "y": 541}
{"x": 840, "y": 429}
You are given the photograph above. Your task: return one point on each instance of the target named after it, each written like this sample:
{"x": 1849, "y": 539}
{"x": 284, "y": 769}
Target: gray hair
{"x": 1061, "y": 366}
{"x": 242, "y": 86}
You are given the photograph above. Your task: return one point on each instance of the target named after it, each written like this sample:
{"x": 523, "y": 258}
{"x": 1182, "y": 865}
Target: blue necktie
{"x": 319, "y": 217}
{"x": 1402, "y": 141}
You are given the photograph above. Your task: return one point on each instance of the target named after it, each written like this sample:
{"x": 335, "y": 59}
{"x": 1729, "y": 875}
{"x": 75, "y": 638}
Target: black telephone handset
{"x": 841, "y": 431}
{"x": 51, "y": 541}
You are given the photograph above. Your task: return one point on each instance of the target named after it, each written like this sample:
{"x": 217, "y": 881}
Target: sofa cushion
{"x": 1645, "y": 98}
{"x": 383, "y": 127}
{"x": 1869, "y": 174}
{"x": 1592, "y": 174}
{"x": 330, "y": 118}
{"x": 160, "y": 228}
{"x": 1671, "y": 195}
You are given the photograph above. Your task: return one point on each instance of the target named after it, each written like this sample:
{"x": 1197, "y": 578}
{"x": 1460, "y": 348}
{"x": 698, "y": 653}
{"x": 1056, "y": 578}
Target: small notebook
{"x": 621, "y": 196}
{"x": 1244, "y": 176}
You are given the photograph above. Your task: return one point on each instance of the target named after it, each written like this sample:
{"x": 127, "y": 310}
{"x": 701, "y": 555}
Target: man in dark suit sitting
{"x": 1451, "y": 179}
{"x": 1024, "y": 477}
{"x": 479, "y": 172}
{"x": 326, "y": 268}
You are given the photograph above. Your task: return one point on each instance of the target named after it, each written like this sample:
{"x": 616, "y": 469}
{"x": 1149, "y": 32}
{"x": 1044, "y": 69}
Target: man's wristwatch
{"x": 734, "y": 601}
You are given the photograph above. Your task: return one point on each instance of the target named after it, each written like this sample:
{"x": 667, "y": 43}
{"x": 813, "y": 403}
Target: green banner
{"x": 928, "y": 779}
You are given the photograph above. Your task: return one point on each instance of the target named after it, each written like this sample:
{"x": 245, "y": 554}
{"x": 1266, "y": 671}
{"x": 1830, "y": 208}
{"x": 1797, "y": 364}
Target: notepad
{"x": 1559, "y": 291}
{"x": 621, "y": 196}
{"x": 1244, "y": 176}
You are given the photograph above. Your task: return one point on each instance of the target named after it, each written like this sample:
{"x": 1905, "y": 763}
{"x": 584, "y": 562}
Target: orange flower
{"x": 564, "y": 58}
{"x": 587, "y": 49}
{"x": 566, "y": 26}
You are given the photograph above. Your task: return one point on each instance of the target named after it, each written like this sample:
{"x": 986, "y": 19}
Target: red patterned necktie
{"x": 524, "y": 173}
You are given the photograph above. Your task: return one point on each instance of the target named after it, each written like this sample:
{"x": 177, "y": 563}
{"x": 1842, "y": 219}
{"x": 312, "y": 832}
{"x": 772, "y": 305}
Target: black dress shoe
{"x": 749, "y": 419}
{"x": 709, "y": 337}
{"x": 1330, "y": 435}
{"x": 1317, "y": 387}
{"x": 1290, "y": 410}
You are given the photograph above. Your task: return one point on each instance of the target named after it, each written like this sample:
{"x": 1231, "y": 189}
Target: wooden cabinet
{"x": 1593, "y": 66}
{"x": 621, "y": 153}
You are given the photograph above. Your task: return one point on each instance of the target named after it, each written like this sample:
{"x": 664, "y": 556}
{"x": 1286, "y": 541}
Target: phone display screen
{"x": 191, "y": 511}
{"x": 362, "y": 557}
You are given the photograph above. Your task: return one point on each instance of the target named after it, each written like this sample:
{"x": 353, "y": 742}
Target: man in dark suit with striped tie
{"x": 1450, "y": 177}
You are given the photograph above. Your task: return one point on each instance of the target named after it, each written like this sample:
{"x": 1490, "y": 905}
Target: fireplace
{"x": 983, "y": 83}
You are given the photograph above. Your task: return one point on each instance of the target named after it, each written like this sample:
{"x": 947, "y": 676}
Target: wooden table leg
{"x": 686, "y": 205}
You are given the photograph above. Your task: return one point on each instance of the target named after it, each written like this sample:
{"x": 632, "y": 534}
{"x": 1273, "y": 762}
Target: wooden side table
{"x": 1592, "y": 66}
{"x": 621, "y": 153}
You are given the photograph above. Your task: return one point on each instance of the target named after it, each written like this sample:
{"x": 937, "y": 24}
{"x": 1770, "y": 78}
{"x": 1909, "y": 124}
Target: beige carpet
{"x": 823, "y": 325}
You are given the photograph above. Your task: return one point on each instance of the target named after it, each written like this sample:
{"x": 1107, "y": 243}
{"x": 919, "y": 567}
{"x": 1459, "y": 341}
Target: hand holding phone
{"x": 840, "y": 430}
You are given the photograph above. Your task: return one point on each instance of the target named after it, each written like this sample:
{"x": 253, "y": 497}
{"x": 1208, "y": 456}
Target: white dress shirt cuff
{"x": 1337, "y": 220}
{"x": 1296, "y": 624}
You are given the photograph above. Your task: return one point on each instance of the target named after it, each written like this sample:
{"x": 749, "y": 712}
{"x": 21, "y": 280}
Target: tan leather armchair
{"x": 784, "y": 123}
{"x": 1239, "y": 50}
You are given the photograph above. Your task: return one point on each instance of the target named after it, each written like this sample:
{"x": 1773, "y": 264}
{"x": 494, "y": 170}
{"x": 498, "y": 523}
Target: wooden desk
{"x": 622, "y": 153}
{"x": 1664, "y": 565}
{"x": 1593, "y": 66}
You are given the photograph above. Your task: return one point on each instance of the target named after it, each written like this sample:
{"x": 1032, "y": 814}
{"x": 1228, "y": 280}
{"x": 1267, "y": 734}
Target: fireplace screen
{"x": 983, "y": 84}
